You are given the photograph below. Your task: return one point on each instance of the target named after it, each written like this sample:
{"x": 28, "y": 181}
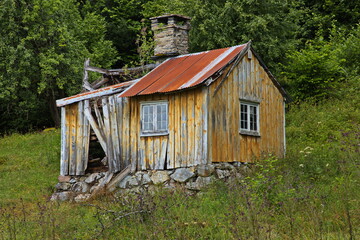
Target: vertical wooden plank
{"x": 126, "y": 129}
{"x": 73, "y": 127}
{"x": 163, "y": 151}
{"x": 149, "y": 152}
{"x": 229, "y": 117}
{"x": 64, "y": 159}
{"x": 198, "y": 127}
{"x": 107, "y": 132}
{"x": 143, "y": 153}
{"x": 236, "y": 115}
{"x": 252, "y": 78}
{"x": 183, "y": 130}
{"x": 79, "y": 139}
{"x": 243, "y": 83}
{"x": 86, "y": 141}
{"x": 205, "y": 116}
{"x": 156, "y": 152}
{"x": 114, "y": 134}
{"x": 133, "y": 136}
{"x": 170, "y": 157}
{"x": 120, "y": 123}
{"x": 191, "y": 127}
{"x": 177, "y": 130}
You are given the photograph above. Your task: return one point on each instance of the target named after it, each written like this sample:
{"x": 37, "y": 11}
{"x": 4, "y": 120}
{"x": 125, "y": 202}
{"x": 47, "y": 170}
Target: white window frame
{"x": 154, "y": 131}
{"x": 248, "y": 129}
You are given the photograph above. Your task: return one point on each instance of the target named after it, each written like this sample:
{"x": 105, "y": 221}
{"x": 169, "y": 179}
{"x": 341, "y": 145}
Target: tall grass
{"x": 313, "y": 193}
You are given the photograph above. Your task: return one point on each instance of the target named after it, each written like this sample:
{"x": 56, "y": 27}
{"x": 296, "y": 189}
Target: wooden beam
{"x": 86, "y": 84}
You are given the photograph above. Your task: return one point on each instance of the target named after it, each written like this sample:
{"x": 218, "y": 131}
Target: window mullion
{"x": 248, "y": 117}
{"x": 154, "y": 117}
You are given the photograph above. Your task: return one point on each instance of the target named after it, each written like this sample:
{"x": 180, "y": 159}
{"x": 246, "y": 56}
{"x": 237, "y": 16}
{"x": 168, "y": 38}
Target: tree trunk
{"x": 54, "y": 111}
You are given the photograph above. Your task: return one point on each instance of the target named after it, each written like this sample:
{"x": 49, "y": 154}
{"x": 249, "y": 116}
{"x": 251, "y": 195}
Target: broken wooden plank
{"x": 163, "y": 151}
{"x": 111, "y": 186}
{"x": 107, "y": 134}
{"x": 94, "y": 125}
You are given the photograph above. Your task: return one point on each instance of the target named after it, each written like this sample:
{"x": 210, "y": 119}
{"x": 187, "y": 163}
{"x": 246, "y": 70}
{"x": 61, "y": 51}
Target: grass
{"x": 311, "y": 194}
{"x": 29, "y": 166}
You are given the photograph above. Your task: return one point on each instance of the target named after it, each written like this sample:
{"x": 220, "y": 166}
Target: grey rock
{"x": 81, "y": 187}
{"x": 199, "y": 183}
{"x": 225, "y": 166}
{"x": 205, "y": 170}
{"x": 128, "y": 182}
{"x": 222, "y": 173}
{"x": 132, "y": 182}
{"x": 82, "y": 197}
{"x": 92, "y": 178}
{"x": 73, "y": 180}
{"x": 140, "y": 176}
{"x": 63, "y": 186}
{"x": 61, "y": 196}
{"x": 182, "y": 175}
{"x": 159, "y": 177}
{"x": 146, "y": 179}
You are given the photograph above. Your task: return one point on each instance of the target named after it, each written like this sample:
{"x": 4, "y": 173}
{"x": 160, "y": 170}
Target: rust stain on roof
{"x": 183, "y": 72}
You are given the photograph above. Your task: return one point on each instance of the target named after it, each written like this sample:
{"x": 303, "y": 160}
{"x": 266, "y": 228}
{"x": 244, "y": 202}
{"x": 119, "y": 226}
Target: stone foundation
{"x": 80, "y": 188}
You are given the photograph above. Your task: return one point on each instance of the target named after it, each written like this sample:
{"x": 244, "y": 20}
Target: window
{"x": 249, "y": 118}
{"x": 154, "y": 118}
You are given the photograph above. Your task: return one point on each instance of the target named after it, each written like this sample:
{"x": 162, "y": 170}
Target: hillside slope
{"x": 311, "y": 194}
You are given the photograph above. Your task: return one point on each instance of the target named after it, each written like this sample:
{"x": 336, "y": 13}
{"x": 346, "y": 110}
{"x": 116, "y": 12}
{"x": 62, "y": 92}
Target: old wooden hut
{"x": 221, "y": 105}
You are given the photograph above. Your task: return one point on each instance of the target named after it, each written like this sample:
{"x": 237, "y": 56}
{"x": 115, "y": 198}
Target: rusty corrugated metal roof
{"x": 96, "y": 93}
{"x": 184, "y": 71}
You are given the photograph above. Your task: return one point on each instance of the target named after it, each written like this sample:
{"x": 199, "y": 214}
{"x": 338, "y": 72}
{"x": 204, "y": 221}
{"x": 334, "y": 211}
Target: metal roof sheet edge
{"x": 117, "y": 88}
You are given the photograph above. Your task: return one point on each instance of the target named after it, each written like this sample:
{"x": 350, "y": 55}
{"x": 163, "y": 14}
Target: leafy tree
{"x": 123, "y": 25}
{"x": 317, "y": 18}
{"x": 270, "y": 24}
{"x": 42, "y": 48}
{"x": 314, "y": 72}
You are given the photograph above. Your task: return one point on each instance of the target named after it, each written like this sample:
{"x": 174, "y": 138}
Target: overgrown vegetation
{"x": 43, "y": 45}
{"x": 311, "y": 194}
{"x": 312, "y": 46}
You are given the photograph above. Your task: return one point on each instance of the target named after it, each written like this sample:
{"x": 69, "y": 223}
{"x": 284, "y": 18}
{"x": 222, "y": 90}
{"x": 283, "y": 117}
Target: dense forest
{"x": 311, "y": 46}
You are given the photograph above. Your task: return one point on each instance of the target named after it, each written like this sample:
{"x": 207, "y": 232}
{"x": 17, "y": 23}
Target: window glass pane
{"x": 243, "y": 117}
{"x": 249, "y": 117}
{"x": 154, "y": 117}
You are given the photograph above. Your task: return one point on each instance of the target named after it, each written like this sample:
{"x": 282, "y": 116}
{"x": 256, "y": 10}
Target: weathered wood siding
{"x": 203, "y": 125}
{"x": 248, "y": 81}
{"x": 75, "y": 131}
{"x": 186, "y": 143}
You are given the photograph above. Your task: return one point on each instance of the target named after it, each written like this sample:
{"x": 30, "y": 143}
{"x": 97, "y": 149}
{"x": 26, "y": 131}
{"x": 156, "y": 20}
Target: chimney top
{"x": 171, "y": 15}
{"x": 170, "y": 35}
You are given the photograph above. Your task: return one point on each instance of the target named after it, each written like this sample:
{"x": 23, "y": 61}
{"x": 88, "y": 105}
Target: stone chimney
{"x": 171, "y": 35}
